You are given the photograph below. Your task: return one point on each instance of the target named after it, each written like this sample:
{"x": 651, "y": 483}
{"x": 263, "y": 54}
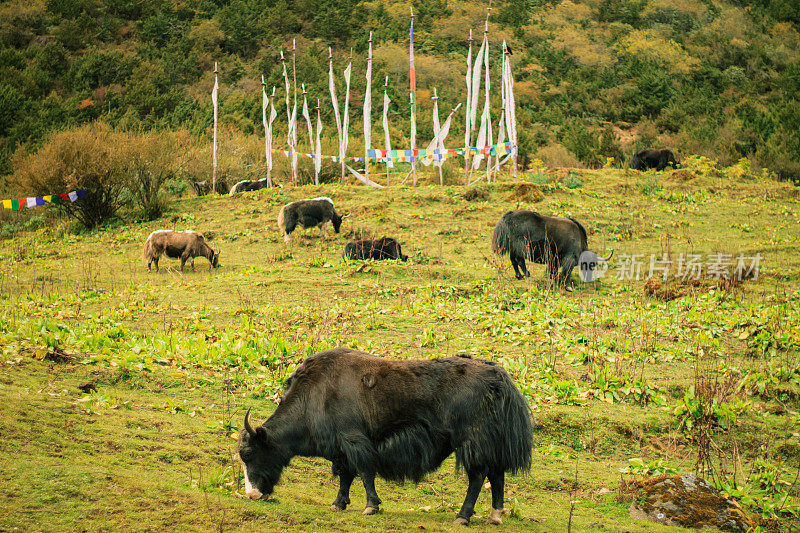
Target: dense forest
{"x": 595, "y": 79}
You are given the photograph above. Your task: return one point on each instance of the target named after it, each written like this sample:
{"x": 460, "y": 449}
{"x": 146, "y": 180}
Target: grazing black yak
{"x": 657, "y": 159}
{"x": 378, "y": 249}
{"x": 183, "y": 245}
{"x": 317, "y": 212}
{"x": 395, "y": 419}
{"x": 552, "y": 241}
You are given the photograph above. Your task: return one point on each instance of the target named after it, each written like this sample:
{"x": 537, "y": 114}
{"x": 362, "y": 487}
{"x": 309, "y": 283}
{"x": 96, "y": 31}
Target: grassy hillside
{"x": 619, "y": 375}
{"x": 595, "y": 78}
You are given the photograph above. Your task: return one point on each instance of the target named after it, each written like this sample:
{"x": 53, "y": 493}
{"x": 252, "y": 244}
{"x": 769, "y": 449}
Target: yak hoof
{"x": 335, "y": 507}
{"x": 461, "y": 521}
{"x": 569, "y": 288}
{"x": 369, "y": 511}
{"x": 495, "y": 517}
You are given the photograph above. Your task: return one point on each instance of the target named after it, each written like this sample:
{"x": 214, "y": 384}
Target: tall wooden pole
{"x": 294, "y": 129}
{"x": 468, "y": 118}
{"x": 489, "y": 116}
{"x": 215, "y": 94}
{"x": 413, "y": 98}
{"x": 368, "y": 110}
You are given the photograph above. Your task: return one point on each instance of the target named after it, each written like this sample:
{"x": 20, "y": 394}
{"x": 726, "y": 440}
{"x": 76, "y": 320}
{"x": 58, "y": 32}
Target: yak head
{"x": 592, "y": 266}
{"x": 336, "y": 220}
{"x": 261, "y": 458}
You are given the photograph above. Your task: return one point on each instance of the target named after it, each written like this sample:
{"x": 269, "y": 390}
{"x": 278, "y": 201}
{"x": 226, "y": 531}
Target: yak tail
{"x": 515, "y": 452}
{"x": 282, "y": 219}
{"x": 583, "y": 232}
{"x": 504, "y": 441}
{"x": 502, "y": 239}
{"x": 147, "y": 252}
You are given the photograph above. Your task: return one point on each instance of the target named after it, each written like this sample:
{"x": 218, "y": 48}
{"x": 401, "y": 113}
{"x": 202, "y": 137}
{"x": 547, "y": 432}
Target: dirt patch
{"x": 476, "y": 194}
{"x": 682, "y": 175}
{"x": 673, "y": 288}
{"x": 522, "y": 192}
{"x": 688, "y": 501}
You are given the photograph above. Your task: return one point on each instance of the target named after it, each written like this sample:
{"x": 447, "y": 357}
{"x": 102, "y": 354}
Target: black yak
{"x": 657, "y": 159}
{"x": 395, "y": 419}
{"x": 383, "y": 248}
{"x": 558, "y": 243}
{"x": 183, "y": 245}
{"x": 317, "y": 212}
{"x": 249, "y": 185}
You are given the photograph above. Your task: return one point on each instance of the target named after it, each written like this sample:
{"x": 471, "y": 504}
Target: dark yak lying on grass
{"x": 396, "y": 419}
{"x": 248, "y": 185}
{"x": 657, "y": 159}
{"x": 183, "y": 245}
{"x": 558, "y": 243}
{"x": 317, "y": 212}
{"x": 378, "y": 249}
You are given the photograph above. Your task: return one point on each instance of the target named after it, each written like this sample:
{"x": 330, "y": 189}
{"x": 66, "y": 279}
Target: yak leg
{"x": 373, "y": 502}
{"x": 498, "y": 485}
{"x": 156, "y": 262}
{"x": 520, "y": 267}
{"x": 474, "y": 489}
{"x": 343, "y": 498}
{"x": 566, "y": 273}
{"x": 515, "y": 264}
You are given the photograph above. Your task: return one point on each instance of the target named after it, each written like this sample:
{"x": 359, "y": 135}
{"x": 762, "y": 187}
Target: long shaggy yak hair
{"x": 396, "y": 419}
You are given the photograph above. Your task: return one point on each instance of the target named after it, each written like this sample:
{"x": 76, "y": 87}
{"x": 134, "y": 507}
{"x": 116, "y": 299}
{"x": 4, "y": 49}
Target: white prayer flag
{"x": 346, "y": 117}
{"x": 272, "y": 116}
{"x": 332, "y": 88}
{"x": 318, "y": 149}
{"x": 467, "y": 118}
{"x": 214, "y": 93}
{"x": 485, "y": 133}
{"x": 308, "y": 120}
{"x": 368, "y": 107}
{"x": 388, "y": 144}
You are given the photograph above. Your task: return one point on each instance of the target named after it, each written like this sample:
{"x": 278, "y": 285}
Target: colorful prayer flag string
{"x": 409, "y": 156}
{"x": 18, "y": 203}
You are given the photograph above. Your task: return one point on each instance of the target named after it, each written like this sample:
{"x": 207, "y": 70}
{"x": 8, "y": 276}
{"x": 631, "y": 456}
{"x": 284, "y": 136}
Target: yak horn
{"x": 609, "y": 256}
{"x": 247, "y": 425}
{"x": 346, "y": 216}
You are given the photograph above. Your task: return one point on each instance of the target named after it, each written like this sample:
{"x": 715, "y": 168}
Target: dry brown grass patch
{"x": 522, "y": 192}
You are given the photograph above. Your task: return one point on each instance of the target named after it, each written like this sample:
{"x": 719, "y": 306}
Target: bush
{"x": 556, "y": 155}
{"x": 77, "y": 158}
{"x": 149, "y": 160}
{"x": 573, "y": 181}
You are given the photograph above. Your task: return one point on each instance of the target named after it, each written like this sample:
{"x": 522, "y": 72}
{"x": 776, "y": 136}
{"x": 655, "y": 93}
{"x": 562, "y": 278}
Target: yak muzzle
{"x": 254, "y": 494}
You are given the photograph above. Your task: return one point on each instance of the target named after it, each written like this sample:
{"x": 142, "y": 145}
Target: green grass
{"x": 177, "y": 358}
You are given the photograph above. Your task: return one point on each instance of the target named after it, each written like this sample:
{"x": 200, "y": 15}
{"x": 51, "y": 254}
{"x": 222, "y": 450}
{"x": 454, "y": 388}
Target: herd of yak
{"x": 396, "y": 419}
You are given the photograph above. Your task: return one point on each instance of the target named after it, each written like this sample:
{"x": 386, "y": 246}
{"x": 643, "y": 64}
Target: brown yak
{"x": 178, "y": 244}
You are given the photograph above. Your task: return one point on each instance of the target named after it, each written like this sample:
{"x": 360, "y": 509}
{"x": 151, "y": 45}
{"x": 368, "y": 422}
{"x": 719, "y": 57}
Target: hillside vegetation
{"x": 626, "y": 378}
{"x": 595, "y": 78}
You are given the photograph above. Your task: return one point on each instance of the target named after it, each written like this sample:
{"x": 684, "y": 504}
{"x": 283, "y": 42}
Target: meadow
{"x": 626, "y": 378}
